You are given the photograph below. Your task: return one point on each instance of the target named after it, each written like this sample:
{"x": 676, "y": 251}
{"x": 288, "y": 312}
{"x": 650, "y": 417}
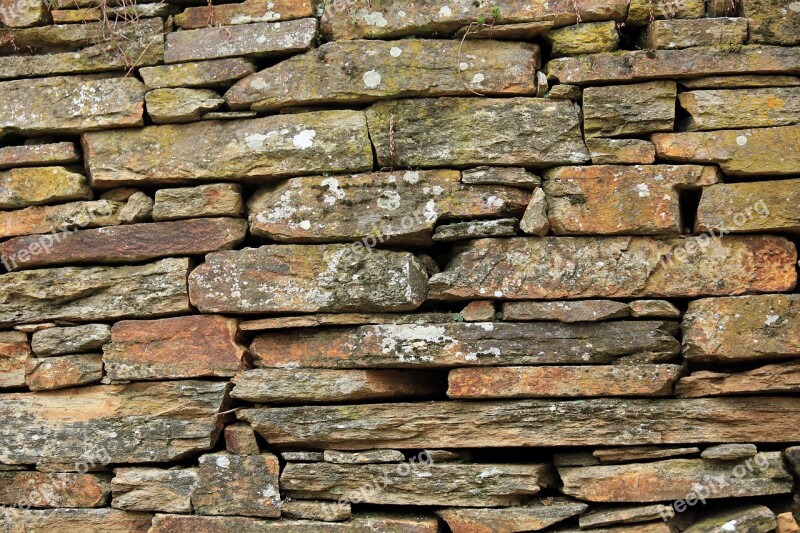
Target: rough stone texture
{"x": 743, "y": 81}
{"x": 786, "y": 523}
{"x": 390, "y": 69}
{"x": 652, "y": 527}
{"x": 142, "y": 422}
{"x": 241, "y": 439}
{"x": 630, "y": 454}
{"x": 166, "y": 106}
{"x": 529, "y": 423}
{"x": 365, "y": 457}
{"x": 22, "y": 13}
{"x": 729, "y": 452}
{"x": 366, "y": 523}
{"x": 583, "y": 39}
{"x": 14, "y": 354}
{"x": 580, "y": 311}
{"x": 94, "y": 293}
{"x": 22, "y": 187}
{"x": 562, "y": 381}
{"x": 129, "y": 243}
{"x": 269, "y": 147}
{"x": 42, "y": 520}
{"x": 745, "y": 519}
{"x": 476, "y": 229}
{"x": 644, "y": 482}
{"x": 435, "y": 132}
{"x": 772, "y": 21}
{"x": 621, "y": 151}
{"x": 40, "y": 489}
{"x": 776, "y": 378}
{"x": 62, "y": 372}
{"x": 181, "y": 347}
{"x": 275, "y": 385}
{"x": 654, "y": 309}
{"x": 480, "y": 311}
{"x": 343, "y": 319}
{"x": 750, "y": 207}
{"x": 217, "y": 200}
{"x": 316, "y": 510}
{"x": 640, "y": 11}
{"x": 620, "y": 110}
{"x": 726, "y": 109}
{"x": 153, "y": 489}
{"x": 261, "y": 39}
{"x": 686, "y": 33}
{"x": 303, "y": 457}
{"x": 738, "y": 329}
{"x": 512, "y": 176}
{"x": 140, "y": 209}
{"x": 459, "y": 485}
{"x": 517, "y": 31}
{"x": 298, "y": 278}
{"x": 530, "y": 517}
{"x": 621, "y": 200}
{"x": 62, "y": 217}
{"x": 234, "y": 485}
{"x": 128, "y": 11}
{"x": 246, "y": 12}
{"x": 466, "y": 344}
{"x": 396, "y": 207}
{"x": 33, "y": 155}
{"x": 733, "y": 265}
{"x": 215, "y": 73}
{"x": 534, "y": 221}
{"x": 624, "y": 515}
{"x": 70, "y": 104}
{"x": 750, "y": 152}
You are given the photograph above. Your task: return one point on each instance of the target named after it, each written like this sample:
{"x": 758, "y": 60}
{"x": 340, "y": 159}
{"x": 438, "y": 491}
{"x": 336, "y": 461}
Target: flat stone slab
{"x": 49, "y": 489}
{"x": 33, "y": 155}
{"x": 769, "y": 206}
{"x": 368, "y": 523}
{"x": 777, "y": 378}
{"x": 533, "y": 516}
{"x": 247, "y": 12}
{"x": 211, "y": 74}
{"x": 627, "y": 110}
{"x": 30, "y": 186}
{"x": 725, "y": 109}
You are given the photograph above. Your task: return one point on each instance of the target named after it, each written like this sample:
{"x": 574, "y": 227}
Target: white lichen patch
{"x": 304, "y": 139}
{"x": 371, "y": 79}
{"x": 395, "y": 51}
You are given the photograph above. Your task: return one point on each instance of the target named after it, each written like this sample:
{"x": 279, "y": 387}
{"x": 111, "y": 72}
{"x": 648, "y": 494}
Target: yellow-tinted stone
{"x": 580, "y": 39}
{"x": 770, "y": 206}
{"x": 727, "y": 109}
{"x": 22, "y": 187}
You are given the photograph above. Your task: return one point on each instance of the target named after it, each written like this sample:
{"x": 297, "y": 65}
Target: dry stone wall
{"x": 400, "y": 266}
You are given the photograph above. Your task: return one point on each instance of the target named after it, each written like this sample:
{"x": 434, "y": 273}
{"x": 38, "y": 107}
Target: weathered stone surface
{"x": 229, "y": 115}
{"x": 630, "y": 454}
{"x": 530, "y": 517}
{"x": 518, "y": 31}
{"x": 241, "y": 439}
{"x": 14, "y": 354}
{"x": 793, "y": 456}
{"x": 181, "y": 347}
{"x": 274, "y": 385}
{"x": 138, "y": 209}
{"x": 465, "y": 344}
{"x": 772, "y": 21}
{"x": 631, "y": 266}
{"x": 608, "y": 422}
{"x": 32, "y": 155}
{"x": 153, "y": 489}
{"x": 689, "y": 63}
{"x": 303, "y": 457}
{"x": 261, "y": 39}
{"x": 365, "y": 457}
{"x": 534, "y": 221}
{"x": 94, "y": 293}
{"x": 726, "y": 109}
{"x": 583, "y": 39}
{"x": 729, "y": 452}
{"x": 621, "y": 199}
{"x": 562, "y": 381}
{"x": 751, "y": 152}
{"x": 747, "y": 328}
{"x": 215, "y": 73}
{"x": 452, "y": 484}
{"x": 166, "y": 106}
{"x": 620, "y": 110}
{"x": 329, "y": 141}
{"x": 512, "y": 176}
{"x": 653, "y": 309}
{"x": 580, "y": 311}
{"x": 142, "y": 422}
{"x": 750, "y": 207}
{"x": 480, "y": 311}
{"x": 217, "y": 200}
{"x": 343, "y": 319}
{"x": 644, "y": 482}
{"x": 743, "y": 81}
{"x": 316, "y": 510}
{"x": 61, "y": 372}
{"x": 621, "y": 151}
{"x": 246, "y": 12}
{"x": 744, "y": 519}
{"x": 561, "y": 92}
{"x": 476, "y": 229}
{"x": 777, "y": 378}
{"x": 129, "y": 243}
{"x": 624, "y": 515}
{"x": 435, "y": 132}
{"x": 40, "y": 489}
{"x": 20, "y": 521}
{"x": 366, "y": 523}
{"x": 390, "y": 69}
{"x": 22, "y": 13}
{"x": 21, "y": 187}
{"x": 235, "y": 485}
{"x": 396, "y": 207}
{"x": 641, "y": 12}
{"x": 685, "y": 33}
{"x": 126, "y": 12}
{"x": 67, "y": 104}
{"x": 651, "y": 527}
{"x": 307, "y": 279}
{"x": 786, "y": 523}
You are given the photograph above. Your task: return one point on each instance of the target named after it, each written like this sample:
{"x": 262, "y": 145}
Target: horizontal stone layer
{"x": 750, "y": 207}
{"x": 627, "y": 110}
{"x": 31, "y": 186}
{"x": 783, "y": 378}
{"x": 15, "y": 520}
{"x": 687, "y": 33}
{"x": 367, "y": 523}
{"x": 246, "y": 12}
{"x": 61, "y": 217}
{"x": 34, "y": 155}
{"x": 533, "y": 516}
{"x": 216, "y": 200}
{"x": 342, "y": 319}
{"x": 213, "y": 73}
{"x": 153, "y": 489}
{"x": 62, "y": 372}
{"x": 250, "y": 485}
{"x": 726, "y": 109}
{"x": 47, "y": 489}
{"x": 566, "y": 311}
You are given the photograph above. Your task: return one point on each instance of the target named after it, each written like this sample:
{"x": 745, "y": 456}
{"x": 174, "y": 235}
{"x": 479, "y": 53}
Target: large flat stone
{"x": 390, "y": 69}
{"x": 34, "y": 155}
{"x": 215, "y": 200}
{"x": 153, "y": 489}
{"x": 778, "y": 378}
{"x": 22, "y": 187}
{"x": 304, "y": 278}
{"x": 640, "y": 12}
{"x": 533, "y": 516}
{"x": 42, "y": 520}
{"x": 768, "y": 206}
{"x": 436, "y": 132}
{"x": 51, "y": 373}
{"x": 726, "y": 109}
{"x": 230, "y": 484}
{"x": 686, "y": 33}
{"x": 566, "y": 311}
{"x": 600, "y": 422}
{"x": 366, "y": 523}
{"x": 61, "y": 217}
{"x": 48, "y": 489}
{"x": 94, "y": 293}
{"x": 466, "y": 344}
{"x": 246, "y": 12}
{"x": 627, "y": 110}
{"x": 142, "y": 422}
{"x": 630, "y": 266}
{"x": 70, "y": 340}
{"x": 269, "y": 147}
{"x": 772, "y": 21}
{"x": 214, "y": 73}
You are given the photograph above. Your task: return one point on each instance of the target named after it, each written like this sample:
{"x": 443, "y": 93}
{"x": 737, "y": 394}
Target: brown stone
{"x": 480, "y": 311}
{"x": 653, "y": 309}
{"x": 39, "y": 489}
{"x": 642, "y": 267}
{"x": 686, "y": 33}
{"x": 165, "y": 106}
{"x": 246, "y": 12}
{"x": 476, "y": 229}
{"x": 621, "y": 151}
{"x": 777, "y": 378}
{"x": 726, "y": 109}
{"x": 772, "y": 21}
{"x": 512, "y": 176}
{"x": 33, "y": 155}
{"x": 466, "y": 344}
{"x": 534, "y": 221}
{"x": 580, "y": 311}
{"x": 534, "y": 516}
{"x": 316, "y": 510}
{"x": 743, "y": 81}
{"x": 14, "y": 354}
{"x": 261, "y": 39}
{"x": 562, "y": 381}
{"x": 237, "y": 485}
{"x": 741, "y": 519}
{"x": 729, "y": 452}
{"x": 579, "y": 39}
{"x": 22, "y": 187}
{"x": 21, "y": 13}
{"x": 129, "y": 243}
{"x": 641, "y": 12}
{"x": 216, "y": 73}
{"x": 61, "y": 372}
{"x": 620, "y": 110}
{"x": 750, "y": 207}
{"x": 630, "y": 454}
{"x": 60, "y": 218}
{"x": 125, "y": 12}
{"x": 138, "y": 209}
{"x": 217, "y": 200}
{"x": 342, "y": 319}
{"x": 738, "y": 329}
{"x": 275, "y": 385}
{"x": 366, "y": 523}
{"x": 241, "y": 439}
{"x": 786, "y": 523}
{"x": 624, "y": 515}
{"x": 21, "y": 521}
{"x": 153, "y": 489}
